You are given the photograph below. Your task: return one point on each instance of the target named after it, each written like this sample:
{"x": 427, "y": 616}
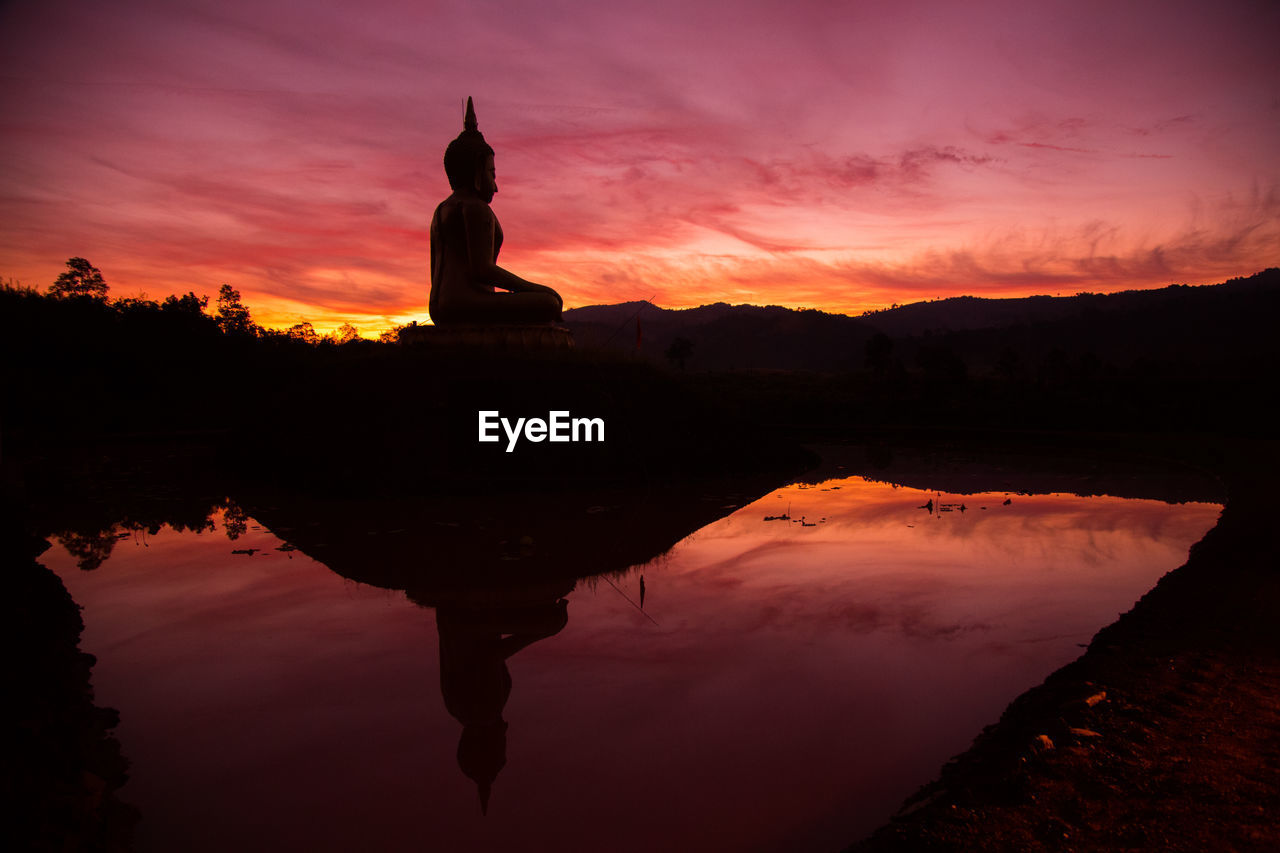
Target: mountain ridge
{"x": 725, "y": 336}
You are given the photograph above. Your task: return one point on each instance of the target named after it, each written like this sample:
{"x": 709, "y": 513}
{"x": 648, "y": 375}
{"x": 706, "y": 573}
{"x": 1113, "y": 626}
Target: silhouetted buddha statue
{"x": 465, "y": 239}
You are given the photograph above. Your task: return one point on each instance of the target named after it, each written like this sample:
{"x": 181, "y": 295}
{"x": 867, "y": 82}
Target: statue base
{"x": 509, "y": 337}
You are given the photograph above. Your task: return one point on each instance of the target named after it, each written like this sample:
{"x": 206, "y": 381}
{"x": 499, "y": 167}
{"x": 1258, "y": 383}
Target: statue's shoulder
{"x": 456, "y": 205}
{"x": 474, "y": 206}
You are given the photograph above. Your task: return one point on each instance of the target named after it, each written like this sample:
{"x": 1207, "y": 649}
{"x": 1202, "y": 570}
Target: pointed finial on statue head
{"x": 467, "y": 152}
{"x": 469, "y": 123}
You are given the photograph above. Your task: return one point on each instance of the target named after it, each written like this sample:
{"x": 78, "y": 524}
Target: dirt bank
{"x": 1164, "y": 735}
{"x": 63, "y": 764}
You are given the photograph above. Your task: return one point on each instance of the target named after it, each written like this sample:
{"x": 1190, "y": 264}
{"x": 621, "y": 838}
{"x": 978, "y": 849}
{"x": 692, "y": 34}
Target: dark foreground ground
{"x": 1164, "y": 735}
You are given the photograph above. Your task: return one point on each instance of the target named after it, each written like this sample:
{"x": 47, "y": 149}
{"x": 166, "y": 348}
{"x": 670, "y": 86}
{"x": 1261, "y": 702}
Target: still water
{"x": 780, "y": 679}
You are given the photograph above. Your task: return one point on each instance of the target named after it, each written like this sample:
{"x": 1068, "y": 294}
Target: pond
{"x": 779, "y": 679}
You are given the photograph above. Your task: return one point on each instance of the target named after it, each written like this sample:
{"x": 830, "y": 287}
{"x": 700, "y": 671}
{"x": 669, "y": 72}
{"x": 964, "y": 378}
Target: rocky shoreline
{"x": 1164, "y": 735}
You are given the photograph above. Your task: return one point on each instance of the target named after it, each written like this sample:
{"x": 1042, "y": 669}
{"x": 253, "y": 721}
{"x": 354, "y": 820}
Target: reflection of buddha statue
{"x": 465, "y": 239}
{"x": 475, "y": 642}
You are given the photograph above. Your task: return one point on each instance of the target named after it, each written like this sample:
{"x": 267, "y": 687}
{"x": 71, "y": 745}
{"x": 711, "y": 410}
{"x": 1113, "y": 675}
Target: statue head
{"x": 467, "y": 155}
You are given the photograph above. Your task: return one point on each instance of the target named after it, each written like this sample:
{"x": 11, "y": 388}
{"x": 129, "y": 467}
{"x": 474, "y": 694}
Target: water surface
{"x": 784, "y": 686}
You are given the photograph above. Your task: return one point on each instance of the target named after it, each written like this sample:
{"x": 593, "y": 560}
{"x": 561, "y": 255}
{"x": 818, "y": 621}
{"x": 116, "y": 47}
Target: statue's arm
{"x": 547, "y": 624}
{"x": 479, "y": 222}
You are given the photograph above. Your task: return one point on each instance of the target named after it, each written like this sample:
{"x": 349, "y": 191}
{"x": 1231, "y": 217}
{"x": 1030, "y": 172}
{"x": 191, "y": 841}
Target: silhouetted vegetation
{"x": 340, "y": 409}
{"x": 81, "y": 279}
{"x": 680, "y": 351}
{"x": 330, "y": 414}
{"x": 63, "y": 764}
{"x": 879, "y": 353}
{"x": 233, "y": 316}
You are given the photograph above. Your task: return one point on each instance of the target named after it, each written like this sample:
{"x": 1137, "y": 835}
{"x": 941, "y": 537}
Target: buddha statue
{"x": 465, "y": 240}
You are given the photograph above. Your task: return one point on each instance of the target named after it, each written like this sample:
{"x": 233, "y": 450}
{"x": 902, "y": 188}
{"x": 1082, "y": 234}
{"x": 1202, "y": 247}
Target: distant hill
{"x": 963, "y": 313}
{"x": 727, "y": 336}
{"x": 1177, "y": 323}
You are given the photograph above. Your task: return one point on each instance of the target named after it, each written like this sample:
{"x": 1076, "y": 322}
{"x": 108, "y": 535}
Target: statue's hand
{"x": 544, "y": 289}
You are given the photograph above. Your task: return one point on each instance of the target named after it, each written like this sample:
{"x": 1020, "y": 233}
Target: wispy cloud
{"x": 841, "y": 157}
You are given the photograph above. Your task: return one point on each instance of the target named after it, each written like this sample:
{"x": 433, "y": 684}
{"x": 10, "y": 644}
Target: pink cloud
{"x": 796, "y": 153}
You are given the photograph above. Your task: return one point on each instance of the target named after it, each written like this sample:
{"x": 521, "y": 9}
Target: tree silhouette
{"x": 304, "y": 332}
{"x": 81, "y": 279}
{"x": 392, "y": 335}
{"x": 680, "y": 351}
{"x": 233, "y": 316}
{"x": 346, "y": 334}
{"x": 188, "y": 304}
{"x": 90, "y": 548}
{"x": 879, "y": 353}
{"x": 941, "y": 363}
{"x": 234, "y": 520}
{"x": 1009, "y": 364}
{"x": 1054, "y": 368}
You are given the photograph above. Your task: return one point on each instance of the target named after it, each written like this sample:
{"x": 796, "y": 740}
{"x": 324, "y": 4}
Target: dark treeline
{"x": 77, "y": 367}
{"x": 83, "y": 364}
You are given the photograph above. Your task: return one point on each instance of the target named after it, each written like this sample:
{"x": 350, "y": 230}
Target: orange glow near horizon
{"x": 281, "y": 313}
{"x": 791, "y": 289}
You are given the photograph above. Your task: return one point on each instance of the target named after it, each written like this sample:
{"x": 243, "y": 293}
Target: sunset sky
{"x": 836, "y": 155}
